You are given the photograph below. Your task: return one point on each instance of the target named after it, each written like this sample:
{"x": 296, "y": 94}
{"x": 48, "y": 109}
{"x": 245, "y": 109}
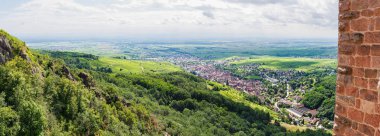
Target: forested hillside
{"x": 61, "y": 93}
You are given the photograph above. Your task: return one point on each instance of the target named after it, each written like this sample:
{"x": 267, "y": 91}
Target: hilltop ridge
{"x": 11, "y": 46}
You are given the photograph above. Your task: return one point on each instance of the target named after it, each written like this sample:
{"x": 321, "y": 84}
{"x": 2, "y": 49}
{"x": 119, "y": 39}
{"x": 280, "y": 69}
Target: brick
{"x": 349, "y": 100}
{"x": 368, "y": 95}
{"x": 354, "y": 125}
{"x": 375, "y": 62}
{"x": 344, "y": 26}
{"x": 370, "y": 73}
{"x": 361, "y": 24}
{"x": 343, "y": 37}
{"x": 343, "y": 121}
{"x": 339, "y": 129}
{"x": 377, "y": 132}
{"x": 374, "y": 3}
{"x": 352, "y": 91}
{"x": 373, "y": 84}
{"x": 363, "y": 50}
{"x": 348, "y": 15}
{"x": 372, "y": 24}
{"x": 357, "y": 103}
{"x": 366, "y": 129}
{"x": 356, "y": 133}
{"x": 359, "y": 4}
{"x": 345, "y": 70}
{"x": 367, "y": 13}
{"x": 345, "y": 79}
{"x": 376, "y": 12}
{"x": 353, "y": 38}
{"x": 377, "y": 23}
{"x": 372, "y": 37}
{"x": 372, "y": 119}
{"x": 377, "y": 109}
{"x": 344, "y": 5}
{"x": 340, "y": 89}
{"x": 340, "y": 109}
{"x": 355, "y": 115}
{"x": 346, "y": 49}
{"x": 367, "y": 106}
{"x": 375, "y": 50}
{"x": 359, "y": 37}
{"x": 361, "y": 82}
{"x": 349, "y": 131}
{"x": 346, "y": 60}
{"x": 363, "y": 61}
{"x": 358, "y": 72}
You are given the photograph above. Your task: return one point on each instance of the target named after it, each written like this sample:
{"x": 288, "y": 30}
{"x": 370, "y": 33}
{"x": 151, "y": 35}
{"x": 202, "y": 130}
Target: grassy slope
{"x": 134, "y": 66}
{"x": 164, "y": 67}
{"x": 292, "y": 128}
{"x": 239, "y": 97}
{"x": 282, "y": 63}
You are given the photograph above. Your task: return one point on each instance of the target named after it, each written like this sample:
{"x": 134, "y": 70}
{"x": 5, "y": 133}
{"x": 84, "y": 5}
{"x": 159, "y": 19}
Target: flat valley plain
{"x": 204, "y": 50}
{"x": 286, "y": 63}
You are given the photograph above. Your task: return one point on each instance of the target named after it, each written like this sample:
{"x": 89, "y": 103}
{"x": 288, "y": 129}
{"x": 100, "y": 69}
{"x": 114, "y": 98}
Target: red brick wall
{"x": 357, "y": 106}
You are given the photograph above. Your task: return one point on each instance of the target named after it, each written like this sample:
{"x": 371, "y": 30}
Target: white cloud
{"x": 261, "y": 2}
{"x": 178, "y": 19}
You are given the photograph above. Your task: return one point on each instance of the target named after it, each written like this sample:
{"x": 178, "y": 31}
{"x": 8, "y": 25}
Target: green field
{"x": 134, "y": 66}
{"x": 287, "y": 63}
{"x": 205, "y": 50}
{"x": 238, "y": 96}
{"x": 293, "y": 128}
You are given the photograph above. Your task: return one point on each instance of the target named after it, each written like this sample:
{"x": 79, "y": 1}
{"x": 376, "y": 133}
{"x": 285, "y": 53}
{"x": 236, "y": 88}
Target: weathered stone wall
{"x": 357, "y": 99}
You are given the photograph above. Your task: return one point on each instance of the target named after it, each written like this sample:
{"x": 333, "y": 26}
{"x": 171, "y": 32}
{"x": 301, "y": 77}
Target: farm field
{"x": 134, "y": 66}
{"x": 287, "y": 63}
{"x": 204, "y": 50}
{"x": 95, "y": 48}
{"x": 293, "y": 128}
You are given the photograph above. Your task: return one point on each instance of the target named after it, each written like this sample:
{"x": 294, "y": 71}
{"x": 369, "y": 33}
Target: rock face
{"x": 6, "y": 53}
{"x": 24, "y": 55}
{"x": 67, "y": 73}
{"x": 86, "y": 79}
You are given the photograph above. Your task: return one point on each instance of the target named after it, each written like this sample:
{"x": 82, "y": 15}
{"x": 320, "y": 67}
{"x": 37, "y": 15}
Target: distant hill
{"x": 63, "y": 93}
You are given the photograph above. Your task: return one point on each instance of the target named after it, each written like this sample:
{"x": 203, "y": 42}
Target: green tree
{"x": 313, "y": 99}
{"x": 32, "y": 119}
{"x": 9, "y": 122}
{"x": 327, "y": 109}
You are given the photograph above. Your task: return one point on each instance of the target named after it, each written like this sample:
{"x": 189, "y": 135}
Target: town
{"x": 273, "y": 87}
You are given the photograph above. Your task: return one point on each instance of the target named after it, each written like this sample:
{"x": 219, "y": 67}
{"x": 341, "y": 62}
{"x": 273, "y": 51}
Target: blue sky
{"x": 169, "y": 19}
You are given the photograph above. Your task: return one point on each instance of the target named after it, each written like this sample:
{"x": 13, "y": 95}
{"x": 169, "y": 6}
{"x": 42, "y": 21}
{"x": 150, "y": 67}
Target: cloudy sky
{"x": 169, "y": 19}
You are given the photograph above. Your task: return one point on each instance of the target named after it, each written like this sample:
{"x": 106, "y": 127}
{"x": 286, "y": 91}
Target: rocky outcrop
{"x": 6, "y": 53}
{"x": 67, "y": 73}
{"x": 24, "y": 55}
{"x": 86, "y": 80}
